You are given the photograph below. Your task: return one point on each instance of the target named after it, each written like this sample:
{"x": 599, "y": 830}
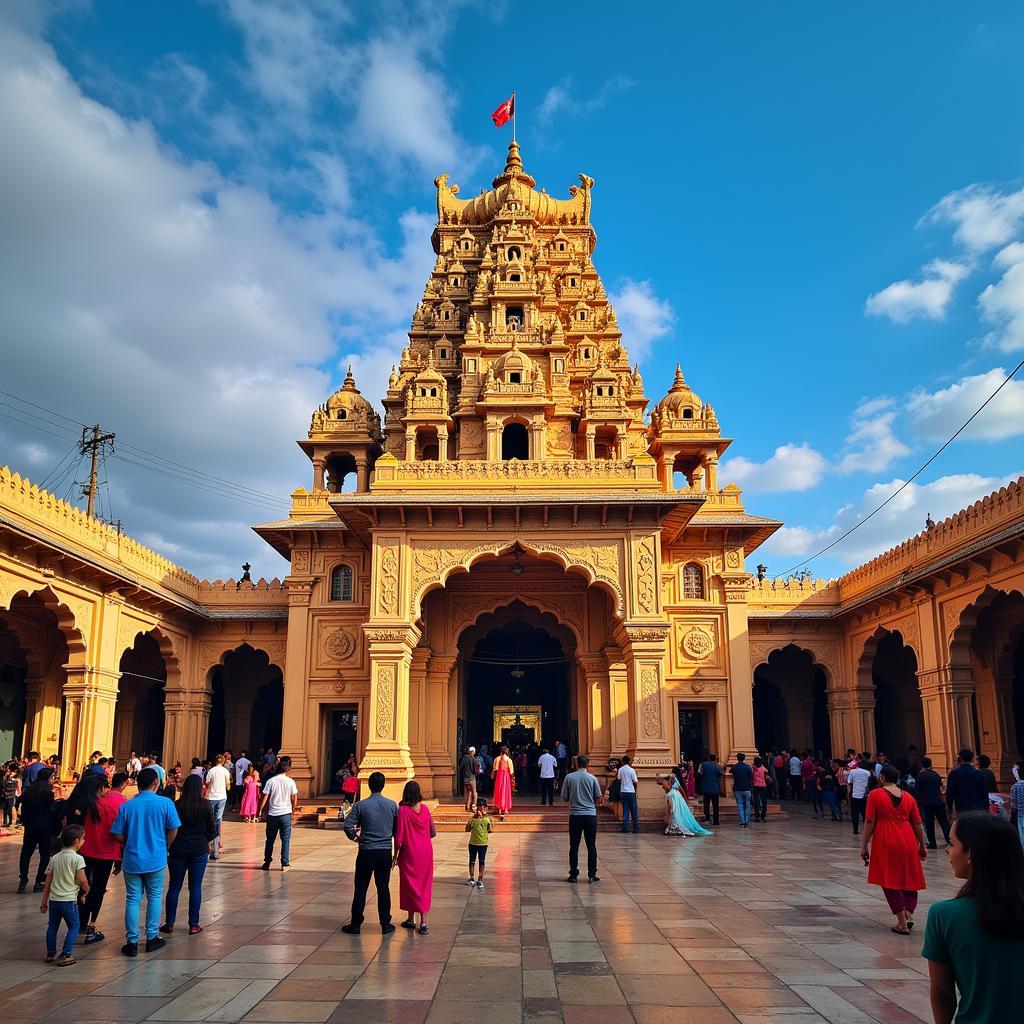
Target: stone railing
{"x": 792, "y": 592}
{"x": 310, "y": 505}
{"x": 987, "y": 516}
{"x": 260, "y": 593}
{"x": 729, "y": 497}
{"x": 468, "y": 475}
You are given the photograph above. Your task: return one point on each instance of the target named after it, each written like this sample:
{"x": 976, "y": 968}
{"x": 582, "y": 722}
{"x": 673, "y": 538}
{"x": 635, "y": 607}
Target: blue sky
{"x": 211, "y": 207}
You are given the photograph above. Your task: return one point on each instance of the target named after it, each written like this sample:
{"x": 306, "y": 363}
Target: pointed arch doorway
{"x": 517, "y": 674}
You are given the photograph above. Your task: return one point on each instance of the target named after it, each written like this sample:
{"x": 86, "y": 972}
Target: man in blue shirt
{"x": 31, "y": 771}
{"x": 583, "y": 794}
{"x": 374, "y": 819}
{"x": 145, "y": 827}
{"x": 742, "y": 787}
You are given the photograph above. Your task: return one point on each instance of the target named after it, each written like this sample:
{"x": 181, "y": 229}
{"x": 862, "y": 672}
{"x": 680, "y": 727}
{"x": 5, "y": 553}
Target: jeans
{"x": 547, "y": 792}
{"x": 814, "y": 798}
{"x": 469, "y": 786}
{"x": 278, "y": 824}
{"x": 153, "y": 883}
{"x": 858, "y": 804}
{"x": 66, "y": 911}
{"x": 217, "y": 806}
{"x": 833, "y": 805}
{"x": 375, "y": 864}
{"x": 30, "y": 841}
{"x": 932, "y": 813}
{"x": 760, "y": 803}
{"x": 582, "y": 826}
{"x": 743, "y": 802}
{"x": 796, "y": 787}
{"x": 629, "y": 810}
{"x": 711, "y": 807}
{"x": 8, "y": 811}
{"x": 195, "y": 867}
{"x": 98, "y": 873}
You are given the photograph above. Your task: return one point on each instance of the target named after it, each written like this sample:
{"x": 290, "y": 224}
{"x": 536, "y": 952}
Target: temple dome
{"x": 680, "y": 403}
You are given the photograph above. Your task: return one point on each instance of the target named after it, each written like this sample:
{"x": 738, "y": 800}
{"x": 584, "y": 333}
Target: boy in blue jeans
{"x": 66, "y": 884}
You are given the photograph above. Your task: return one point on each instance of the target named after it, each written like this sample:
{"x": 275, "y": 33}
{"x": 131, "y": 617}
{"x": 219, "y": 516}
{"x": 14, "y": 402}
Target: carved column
{"x": 294, "y": 741}
{"x": 418, "y": 719}
{"x": 1003, "y": 757}
{"x": 440, "y": 758}
{"x": 442, "y": 444}
{"x": 410, "y": 446}
{"x": 741, "y": 705}
{"x": 712, "y": 465}
{"x": 124, "y": 725}
{"x": 362, "y": 473}
{"x": 178, "y": 745}
{"x": 594, "y": 668}
{"x": 390, "y": 651}
{"x": 89, "y": 700}
{"x": 591, "y": 451}
{"x": 493, "y": 441}
{"x": 621, "y": 718}
{"x": 946, "y": 697}
{"x": 862, "y": 712}
{"x": 319, "y": 465}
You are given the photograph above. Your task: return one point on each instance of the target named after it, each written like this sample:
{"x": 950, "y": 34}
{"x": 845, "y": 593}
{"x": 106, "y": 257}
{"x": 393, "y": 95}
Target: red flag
{"x": 504, "y": 112}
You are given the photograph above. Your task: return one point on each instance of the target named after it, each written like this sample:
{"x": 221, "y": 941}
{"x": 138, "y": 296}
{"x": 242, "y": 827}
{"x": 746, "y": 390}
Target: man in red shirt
{"x": 101, "y": 853}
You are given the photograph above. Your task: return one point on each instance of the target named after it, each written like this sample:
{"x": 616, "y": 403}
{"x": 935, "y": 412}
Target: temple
{"x": 521, "y": 547}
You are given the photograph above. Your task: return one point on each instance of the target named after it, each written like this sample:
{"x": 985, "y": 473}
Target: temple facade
{"x": 522, "y": 548}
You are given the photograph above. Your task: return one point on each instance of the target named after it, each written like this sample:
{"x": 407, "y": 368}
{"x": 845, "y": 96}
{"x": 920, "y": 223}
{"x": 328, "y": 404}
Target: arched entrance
{"x": 247, "y": 703}
{"x": 515, "y": 680}
{"x": 515, "y": 441}
{"x": 899, "y": 715}
{"x": 139, "y": 711}
{"x": 791, "y": 702}
{"x": 12, "y": 695}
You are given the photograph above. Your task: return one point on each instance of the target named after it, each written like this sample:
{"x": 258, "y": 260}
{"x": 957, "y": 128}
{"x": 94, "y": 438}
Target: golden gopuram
{"x": 522, "y": 550}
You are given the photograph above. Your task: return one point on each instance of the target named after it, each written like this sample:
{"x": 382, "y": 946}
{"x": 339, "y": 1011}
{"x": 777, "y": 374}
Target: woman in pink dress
{"x": 502, "y": 775}
{"x": 414, "y": 856}
{"x": 251, "y": 795}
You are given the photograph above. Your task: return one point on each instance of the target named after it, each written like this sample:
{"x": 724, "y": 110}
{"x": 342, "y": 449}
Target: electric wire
{"x": 906, "y": 483}
{"x": 69, "y": 454}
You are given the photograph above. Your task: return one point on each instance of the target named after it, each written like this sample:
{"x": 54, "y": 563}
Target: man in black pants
{"x": 375, "y": 819}
{"x": 928, "y": 790}
{"x": 583, "y": 793}
{"x": 711, "y": 774}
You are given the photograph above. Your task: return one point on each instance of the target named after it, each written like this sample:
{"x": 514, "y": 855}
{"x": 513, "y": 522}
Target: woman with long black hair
{"x": 974, "y": 943}
{"x": 189, "y": 854}
{"x": 37, "y": 808}
{"x": 101, "y": 852}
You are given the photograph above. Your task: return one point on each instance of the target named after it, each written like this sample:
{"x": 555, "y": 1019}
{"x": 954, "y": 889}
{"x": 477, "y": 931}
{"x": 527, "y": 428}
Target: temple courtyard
{"x": 773, "y": 925}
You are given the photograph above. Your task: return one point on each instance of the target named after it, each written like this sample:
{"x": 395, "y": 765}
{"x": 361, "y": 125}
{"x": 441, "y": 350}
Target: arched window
{"x": 341, "y": 583}
{"x": 443, "y": 354}
{"x": 693, "y": 581}
{"x": 514, "y": 253}
{"x": 515, "y": 277}
{"x": 581, "y": 315}
{"x": 342, "y": 414}
{"x": 515, "y": 442}
{"x": 687, "y": 414}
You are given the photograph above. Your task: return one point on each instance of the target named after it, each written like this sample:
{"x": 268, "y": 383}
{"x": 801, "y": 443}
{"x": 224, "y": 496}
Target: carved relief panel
{"x": 697, "y": 644}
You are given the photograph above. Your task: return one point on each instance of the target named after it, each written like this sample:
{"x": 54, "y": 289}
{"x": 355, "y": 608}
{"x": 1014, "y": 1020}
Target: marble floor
{"x": 773, "y": 925}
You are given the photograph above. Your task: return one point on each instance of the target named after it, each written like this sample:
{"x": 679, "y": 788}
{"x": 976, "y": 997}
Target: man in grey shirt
{"x": 375, "y": 819}
{"x": 583, "y": 793}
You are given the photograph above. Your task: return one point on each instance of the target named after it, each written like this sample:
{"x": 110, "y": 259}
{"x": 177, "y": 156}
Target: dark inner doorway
{"x": 518, "y": 647}
{"x": 344, "y": 741}
{"x": 693, "y": 734}
{"x": 515, "y": 442}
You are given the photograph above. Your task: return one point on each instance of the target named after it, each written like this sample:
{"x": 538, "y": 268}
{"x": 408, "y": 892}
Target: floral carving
{"x": 697, "y": 685}
{"x": 650, "y": 701}
{"x": 385, "y": 701}
{"x": 645, "y": 580}
{"x": 698, "y": 644}
{"x": 389, "y": 579}
{"x": 339, "y": 644}
{"x": 300, "y": 561}
{"x": 127, "y": 630}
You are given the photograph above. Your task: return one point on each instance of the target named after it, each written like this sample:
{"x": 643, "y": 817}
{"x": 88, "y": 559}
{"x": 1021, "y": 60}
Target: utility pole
{"x": 93, "y": 444}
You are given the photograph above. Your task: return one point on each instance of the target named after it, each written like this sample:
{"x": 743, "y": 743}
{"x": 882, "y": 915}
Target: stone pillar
{"x": 591, "y": 451}
{"x": 594, "y": 668}
{"x": 1003, "y": 757}
{"x": 712, "y": 465}
{"x": 418, "y": 720}
{"x": 362, "y": 473}
{"x": 89, "y": 700}
{"x": 440, "y": 758}
{"x": 178, "y": 745}
{"x": 442, "y": 444}
{"x": 124, "y": 724}
{"x": 946, "y": 695}
{"x": 410, "y": 446}
{"x": 294, "y": 740}
{"x": 862, "y": 713}
{"x": 319, "y": 465}
{"x": 238, "y": 718}
{"x": 493, "y": 442}
{"x": 741, "y": 704}
{"x": 390, "y": 653}
{"x": 621, "y": 718}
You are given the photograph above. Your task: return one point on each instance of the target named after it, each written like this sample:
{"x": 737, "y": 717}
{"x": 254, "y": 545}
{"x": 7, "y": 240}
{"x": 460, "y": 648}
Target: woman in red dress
{"x": 502, "y": 775}
{"x": 894, "y": 835}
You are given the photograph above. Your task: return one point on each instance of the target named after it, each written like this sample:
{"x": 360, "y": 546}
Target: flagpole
{"x": 513, "y": 117}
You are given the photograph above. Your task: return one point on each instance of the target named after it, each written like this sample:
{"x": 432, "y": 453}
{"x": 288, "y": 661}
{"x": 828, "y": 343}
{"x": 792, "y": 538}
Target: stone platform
{"x": 774, "y": 924}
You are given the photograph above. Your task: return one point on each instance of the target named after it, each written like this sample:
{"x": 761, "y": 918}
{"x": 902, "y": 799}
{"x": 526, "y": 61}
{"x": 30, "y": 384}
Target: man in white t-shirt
{"x": 241, "y": 767}
{"x": 280, "y": 795}
{"x": 796, "y": 779}
{"x": 134, "y": 766}
{"x": 627, "y": 794}
{"x": 858, "y": 779}
{"x": 215, "y": 789}
{"x": 547, "y": 763}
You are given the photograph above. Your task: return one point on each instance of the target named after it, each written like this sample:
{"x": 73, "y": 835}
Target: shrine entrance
{"x": 516, "y": 680}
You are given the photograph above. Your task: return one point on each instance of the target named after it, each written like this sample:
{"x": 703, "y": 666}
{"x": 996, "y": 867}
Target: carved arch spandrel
{"x": 73, "y": 614}
{"x": 823, "y": 653}
{"x": 468, "y": 611}
{"x": 960, "y": 617}
{"x": 213, "y": 653}
{"x": 599, "y": 561}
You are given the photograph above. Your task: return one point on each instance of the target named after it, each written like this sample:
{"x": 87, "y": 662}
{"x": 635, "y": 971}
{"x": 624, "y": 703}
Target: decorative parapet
{"x": 62, "y": 523}
{"x": 987, "y": 516}
{"x": 791, "y": 592}
{"x": 310, "y": 504}
{"x": 479, "y": 475}
{"x": 729, "y": 497}
{"x": 261, "y": 593}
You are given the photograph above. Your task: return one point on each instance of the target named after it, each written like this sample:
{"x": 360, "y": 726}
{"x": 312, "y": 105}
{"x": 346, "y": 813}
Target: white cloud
{"x": 928, "y": 297}
{"x": 181, "y": 310}
{"x": 791, "y": 468}
{"x": 936, "y": 414}
{"x": 643, "y": 318}
{"x": 560, "y": 97}
{"x": 871, "y": 445}
{"x": 984, "y": 217}
{"x": 1002, "y": 303}
{"x": 900, "y": 519}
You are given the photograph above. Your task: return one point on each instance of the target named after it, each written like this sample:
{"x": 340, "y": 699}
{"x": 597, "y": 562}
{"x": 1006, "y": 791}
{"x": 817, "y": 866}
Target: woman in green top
{"x": 479, "y": 828}
{"x": 974, "y": 943}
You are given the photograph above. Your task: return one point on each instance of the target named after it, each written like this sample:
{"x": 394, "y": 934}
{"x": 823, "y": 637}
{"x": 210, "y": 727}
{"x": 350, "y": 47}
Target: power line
{"x": 906, "y": 483}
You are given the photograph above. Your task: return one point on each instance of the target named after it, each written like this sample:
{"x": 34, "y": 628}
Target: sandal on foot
{"x": 194, "y": 929}
{"x": 900, "y": 931}
{"x": 66, "y": 961}
{"x": 423, "y": 929}
{"x": 408, "y": 924}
